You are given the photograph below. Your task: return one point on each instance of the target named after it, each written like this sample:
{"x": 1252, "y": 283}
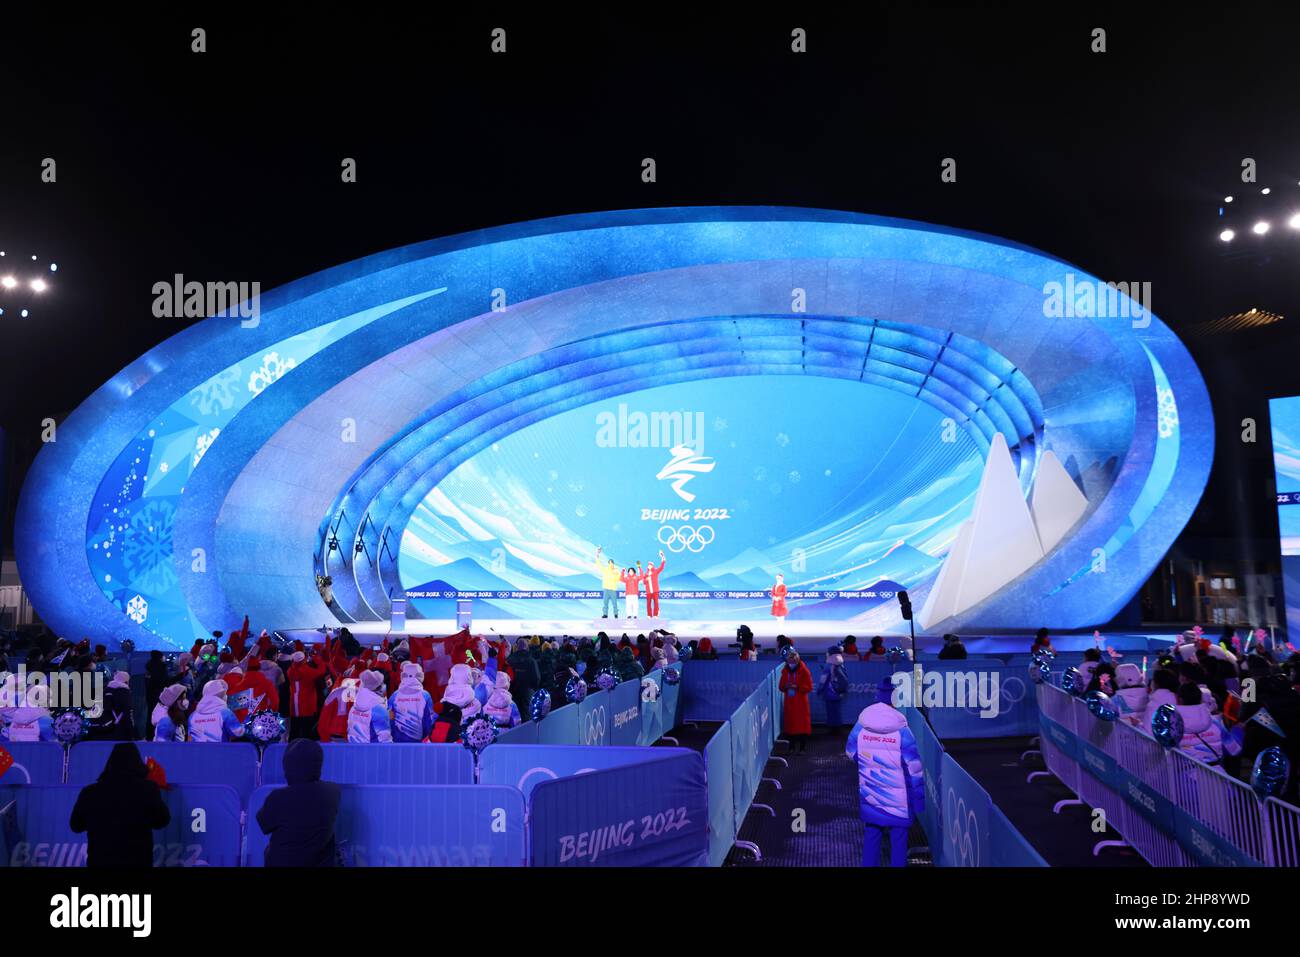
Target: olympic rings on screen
{"x": 686, "y": 537}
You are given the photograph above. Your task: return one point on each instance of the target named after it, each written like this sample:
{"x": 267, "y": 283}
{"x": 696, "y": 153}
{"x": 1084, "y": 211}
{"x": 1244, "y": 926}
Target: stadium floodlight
{"x": 1227, "y": 235}
{"x": 1260, "y": 228}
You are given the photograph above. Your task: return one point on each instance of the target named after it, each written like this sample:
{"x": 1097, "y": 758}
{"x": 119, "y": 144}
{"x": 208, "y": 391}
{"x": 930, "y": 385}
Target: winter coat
{"x": 119, "y": 812}
{"x": 527, "y": 678}
{"x": 1202, "y": 738}
{"x": 1154, "y": 701}
{"x": 30, "y": 724}
{"x": 796, "y": 685}
{"x": 213, "y": 722}
{"x": 891, "y": 789}
{"x": 412, "y": 709}
{"x": 368, "y": 720}
{"x": 249, "y": 693}
{"x": 834, "y": 684}
{"x": 299, "y": 817}
{"x": 303, "y": 677}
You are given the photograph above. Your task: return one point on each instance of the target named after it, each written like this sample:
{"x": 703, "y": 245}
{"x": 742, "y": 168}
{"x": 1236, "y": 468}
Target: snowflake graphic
{"x": 273, "y": 369}
{"x": 719, "y": 424}
{"x": 137, "y": 609}
{"x": 794, "y": 478}
{"x": 148, "y": 547}
{"x": 217, "y": 393}
{"x": 760, "y": 474}
{"x": 1167, "y": 416}
{"x": 202, "y": 445}
{"x": 782, "y": 439}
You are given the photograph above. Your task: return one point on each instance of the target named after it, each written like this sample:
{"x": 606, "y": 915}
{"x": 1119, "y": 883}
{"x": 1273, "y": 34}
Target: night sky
{"x": 225, "y": 165}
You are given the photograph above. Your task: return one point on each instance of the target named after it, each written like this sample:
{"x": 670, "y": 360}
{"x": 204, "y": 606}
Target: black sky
{"x": 226, "y": 164}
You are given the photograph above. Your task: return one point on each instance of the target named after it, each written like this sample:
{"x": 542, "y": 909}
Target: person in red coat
{"x": 796, "y": 717}
{"x": 652, "y": 586}
{"x": 779, "y": 609}
{"x": 250, "y": 692}
{"x": 304, "y": 703}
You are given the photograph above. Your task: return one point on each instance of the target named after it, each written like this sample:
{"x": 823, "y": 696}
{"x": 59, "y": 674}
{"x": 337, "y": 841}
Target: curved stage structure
{"x": 208, "y": 478}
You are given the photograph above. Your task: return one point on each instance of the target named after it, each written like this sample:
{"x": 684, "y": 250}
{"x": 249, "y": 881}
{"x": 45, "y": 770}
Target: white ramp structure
{"x": 1005, "y": 536}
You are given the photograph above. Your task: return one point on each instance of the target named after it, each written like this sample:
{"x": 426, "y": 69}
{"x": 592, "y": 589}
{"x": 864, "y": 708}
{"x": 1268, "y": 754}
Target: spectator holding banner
{"x": 891, "y": 790}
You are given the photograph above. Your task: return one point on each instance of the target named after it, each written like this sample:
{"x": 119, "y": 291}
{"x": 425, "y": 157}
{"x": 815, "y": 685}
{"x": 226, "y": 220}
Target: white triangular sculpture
{"x": 941, "y": 603}
{"x": 1056, "y": 502}
{"x": 1003, "y": 539}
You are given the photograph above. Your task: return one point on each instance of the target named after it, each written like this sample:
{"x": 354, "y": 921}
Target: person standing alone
{"x": 891, "y": 790}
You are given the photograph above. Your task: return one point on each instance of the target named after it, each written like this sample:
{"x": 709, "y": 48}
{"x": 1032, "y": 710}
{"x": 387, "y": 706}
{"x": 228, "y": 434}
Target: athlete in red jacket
{"x": 304, "y": 703}
{"x": 251, "y": 692}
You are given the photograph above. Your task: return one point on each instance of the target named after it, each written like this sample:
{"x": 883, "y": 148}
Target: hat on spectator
{"x": 371, "y": 680}
{"x": 171, "y": 694}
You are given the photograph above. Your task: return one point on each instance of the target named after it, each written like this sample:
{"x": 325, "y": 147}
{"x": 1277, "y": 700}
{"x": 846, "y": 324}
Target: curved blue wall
{"x": 362, "y": 385}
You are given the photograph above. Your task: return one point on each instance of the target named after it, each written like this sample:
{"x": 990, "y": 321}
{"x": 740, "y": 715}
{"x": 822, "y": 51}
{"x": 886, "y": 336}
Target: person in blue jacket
{"x": 891, "y": 789}
{"x": 368, "y": 721}
{"x": 832, "y": 687}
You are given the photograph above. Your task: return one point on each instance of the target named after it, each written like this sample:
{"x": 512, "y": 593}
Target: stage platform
{"x": 814, "y": 636}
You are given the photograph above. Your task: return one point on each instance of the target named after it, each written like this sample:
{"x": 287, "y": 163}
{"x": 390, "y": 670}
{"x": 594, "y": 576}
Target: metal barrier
{"x": 1284, "y": 833}
{"x": 1171, "y": 808}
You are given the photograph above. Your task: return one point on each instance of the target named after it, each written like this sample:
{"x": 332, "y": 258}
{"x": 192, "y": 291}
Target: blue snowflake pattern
{"x": 148, "y": 547}
{"x": 218, "y": 393}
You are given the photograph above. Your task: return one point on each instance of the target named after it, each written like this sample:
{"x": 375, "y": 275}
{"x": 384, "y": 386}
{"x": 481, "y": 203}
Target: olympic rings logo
{"x": 686, "y": 537}
{"x": 962, "y": 830}
{"x": 1011, "y": 691}
{"x": 594, "y": 725}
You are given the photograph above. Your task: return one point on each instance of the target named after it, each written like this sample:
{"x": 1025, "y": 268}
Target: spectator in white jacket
{"x": 1131, "y": 696}
{"x": 1091, "y": 658}
{"x": 1164, "y": 690}
{"x": 1202, "y": 738}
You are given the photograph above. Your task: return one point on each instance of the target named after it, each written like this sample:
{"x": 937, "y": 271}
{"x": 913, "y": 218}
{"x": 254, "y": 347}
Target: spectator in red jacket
{"x": 304, "y": 704}
{"x": 250, "y": 691}
{"x": 796, "y": 717}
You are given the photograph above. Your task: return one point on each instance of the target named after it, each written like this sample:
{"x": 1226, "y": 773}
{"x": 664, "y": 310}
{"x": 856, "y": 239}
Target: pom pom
{"x": 539, "y": 706}
{"x": 70, "y": 725}
{"x": 264, "y": 727}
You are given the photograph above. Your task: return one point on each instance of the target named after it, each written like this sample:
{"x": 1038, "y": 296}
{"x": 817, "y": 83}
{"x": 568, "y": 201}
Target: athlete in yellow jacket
{"x": 609, "y": 581}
